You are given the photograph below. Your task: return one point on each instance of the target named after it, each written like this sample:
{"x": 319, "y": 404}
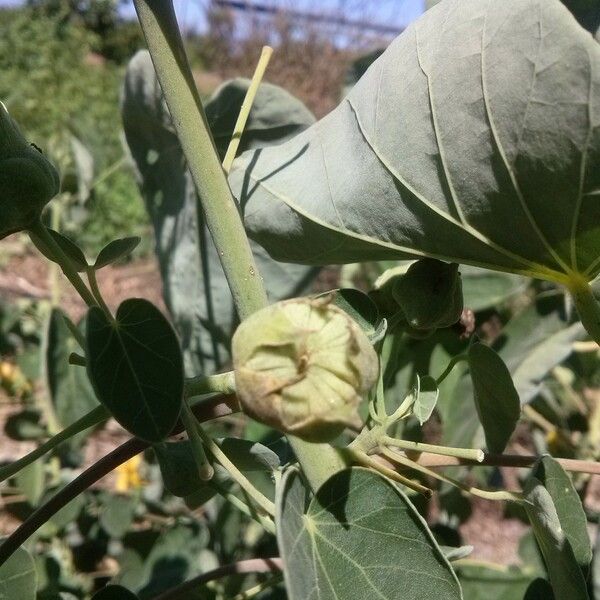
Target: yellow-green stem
{"x": 467, "y": 453}
{"x": 261, "y": 500}
{"x": 395, "y": 457}
{"x": 223, "y": 219}
{"x": 94, "y": 417}
{"x": 159, "y": 24}
{"x": 238, "y": 130}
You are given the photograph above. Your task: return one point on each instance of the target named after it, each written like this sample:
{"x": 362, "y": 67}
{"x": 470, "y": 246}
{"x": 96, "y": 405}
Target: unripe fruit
{"x": 302, "y": 366}
{"x": 430, "y": 295}
{"x": 28, "y": 181}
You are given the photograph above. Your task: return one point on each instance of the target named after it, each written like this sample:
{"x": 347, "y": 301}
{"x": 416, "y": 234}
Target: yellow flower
{"x": 128, "y": 475}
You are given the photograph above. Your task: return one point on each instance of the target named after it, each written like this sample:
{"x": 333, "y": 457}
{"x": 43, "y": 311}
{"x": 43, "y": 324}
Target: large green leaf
{"x": 136, "y": 368}
{"x": 194, "y": 285}
{"x": 496, "y": 398}
{"x": 18, "y": 578}
{"x": 474, "y": 139}
{"x": 359, "y": 538}
{"x": 70, "y": 390}
{"x": 568, "y": 507}
{"x": 564, "y": 572}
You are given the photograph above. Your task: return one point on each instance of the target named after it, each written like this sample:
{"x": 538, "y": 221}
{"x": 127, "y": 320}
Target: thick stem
{"x": 158, "y": 21}
{"x": 160, "y": 28}
{"x": 587, "y": 306}
{"x": 221, "y": 383}
{"x": 474, "y": 454}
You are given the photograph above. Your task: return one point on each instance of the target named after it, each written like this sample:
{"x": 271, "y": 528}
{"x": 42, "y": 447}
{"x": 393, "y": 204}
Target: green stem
{"x": 261, "y": 500}
{"x": 453, "y": 362}
{"x": 587, "y": 306}
{"x": 54, "y": 276}
{"x": 259, "y": 587}
{"x": 39, "y": 233}
{"x": 240, "y": 124}
{"x": 221, "y": 383}
{"x": 159, "y": 24}
{"x": 365, "y": 460}
{"x": 75, "y": 332}
{"x": 264, "y": 521}
{"x": 395, "y": 457}
{"x": 91, "y": 275}
{"x": 94, "y": 417}
{"x": 205, "y": 470}
{"x": 466, "y": 453}
{"x": 223, "y": 218}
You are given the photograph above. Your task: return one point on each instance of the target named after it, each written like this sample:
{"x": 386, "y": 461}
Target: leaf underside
{"x": 474, "y": 138}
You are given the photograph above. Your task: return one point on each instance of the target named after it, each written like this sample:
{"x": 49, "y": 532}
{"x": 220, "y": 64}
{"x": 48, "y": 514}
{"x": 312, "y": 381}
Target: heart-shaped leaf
{"x": 359, "y": 538}
{"x": 136, "y": 368}
{"x": 467, "y": 142}
{"x": 18, "y": 577}
{"x": 115, "y": 250}
{"x": 496, "y": 398}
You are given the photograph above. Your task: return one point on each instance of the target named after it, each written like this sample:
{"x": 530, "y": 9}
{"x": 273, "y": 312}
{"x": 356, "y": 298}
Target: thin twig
{"x": 505, "y": 460}
{"x": 240, "y": 125}
{"x": 253, "y": 565}
{"x": 204, "y": 411}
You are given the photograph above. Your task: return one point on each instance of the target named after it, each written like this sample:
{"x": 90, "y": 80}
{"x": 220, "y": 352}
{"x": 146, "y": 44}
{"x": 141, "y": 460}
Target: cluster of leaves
{"x": 307, "y": 366}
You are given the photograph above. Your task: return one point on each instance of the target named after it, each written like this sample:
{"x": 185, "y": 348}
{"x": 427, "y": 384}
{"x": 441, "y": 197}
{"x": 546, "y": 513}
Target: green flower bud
{"x": 27, "y": 179}
{"x": 302, "y": 366}
{"x": 430, "y": 295}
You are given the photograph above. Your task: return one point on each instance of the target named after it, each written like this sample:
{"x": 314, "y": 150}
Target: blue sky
{"x": 389, "y": 12}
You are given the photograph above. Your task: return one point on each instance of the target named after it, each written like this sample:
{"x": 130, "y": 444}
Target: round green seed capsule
{"x": 303, "y": 366}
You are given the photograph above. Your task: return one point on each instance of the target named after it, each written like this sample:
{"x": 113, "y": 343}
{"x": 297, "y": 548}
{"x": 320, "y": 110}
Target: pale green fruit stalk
{"x": 28, "y": 180}
{"x": 303, "y": 367}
